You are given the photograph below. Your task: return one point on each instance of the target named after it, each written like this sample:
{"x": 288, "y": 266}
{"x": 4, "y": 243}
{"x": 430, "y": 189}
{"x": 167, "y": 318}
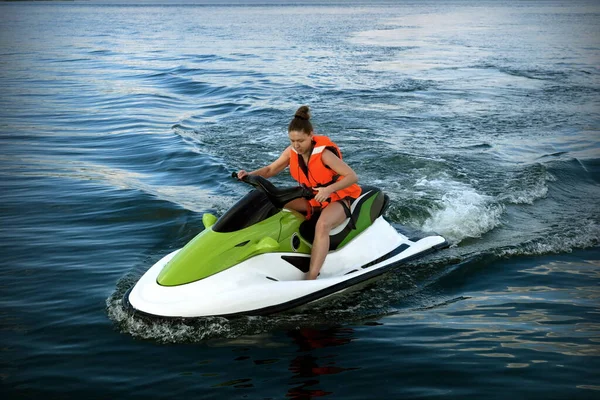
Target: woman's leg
{"x": 300, "y": 205}
{"x": 331, "y": 216}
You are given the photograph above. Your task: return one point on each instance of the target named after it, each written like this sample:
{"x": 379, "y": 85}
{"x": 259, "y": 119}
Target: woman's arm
{"x": 272, "y": 169}
{"x": 348, "y": 175}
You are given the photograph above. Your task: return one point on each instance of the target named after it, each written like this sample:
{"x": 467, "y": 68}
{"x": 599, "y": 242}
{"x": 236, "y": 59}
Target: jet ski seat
{"x": 371, "y": 204}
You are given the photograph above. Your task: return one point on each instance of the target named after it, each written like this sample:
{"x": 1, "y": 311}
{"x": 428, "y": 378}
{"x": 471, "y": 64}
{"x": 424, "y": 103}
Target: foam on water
{"x": 583, "y": 234}
{"x": 461, "y": 212}
{"x": 364, "y": 302}
{"x": 528, "y": 186}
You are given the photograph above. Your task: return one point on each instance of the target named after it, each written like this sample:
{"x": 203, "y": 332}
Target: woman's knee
{"x": 331, "y": 216}
{"x": 299, "y": 205}
{"x": 323, "y": 225}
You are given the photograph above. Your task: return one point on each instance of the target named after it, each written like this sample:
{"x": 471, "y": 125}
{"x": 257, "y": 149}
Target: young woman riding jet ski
{"x": 315, "y": 161}
{"x": 253, "y": 259}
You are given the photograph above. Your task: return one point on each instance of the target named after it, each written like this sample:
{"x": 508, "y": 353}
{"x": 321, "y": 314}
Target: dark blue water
{"x": 119, "y": 124}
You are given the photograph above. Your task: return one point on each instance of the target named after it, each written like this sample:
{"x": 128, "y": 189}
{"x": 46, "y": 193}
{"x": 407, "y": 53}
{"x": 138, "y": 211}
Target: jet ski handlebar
{"x": 278, "y": 196}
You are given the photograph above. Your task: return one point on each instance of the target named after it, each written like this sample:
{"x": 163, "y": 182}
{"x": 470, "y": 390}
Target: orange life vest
{"x": 317, "y": 174}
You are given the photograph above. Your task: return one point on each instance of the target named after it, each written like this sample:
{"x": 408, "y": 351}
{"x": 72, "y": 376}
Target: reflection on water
{"x": 310, "y": 338}
{"x": 590, "y": 268}
{"x": 539, "y": 314}
{"x": 299, "y": 360}
{"x": 307, "y": 367}
{"x": 505, "y": 331}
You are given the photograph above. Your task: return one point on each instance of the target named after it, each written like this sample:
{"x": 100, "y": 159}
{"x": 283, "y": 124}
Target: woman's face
{"x": 301, "y": 142}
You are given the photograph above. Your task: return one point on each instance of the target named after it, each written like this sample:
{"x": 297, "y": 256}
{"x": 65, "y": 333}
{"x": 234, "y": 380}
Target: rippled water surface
{"x": 119, "y": 126}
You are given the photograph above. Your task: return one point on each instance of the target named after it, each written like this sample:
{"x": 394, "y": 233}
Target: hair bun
{"x": 303, "y": 113}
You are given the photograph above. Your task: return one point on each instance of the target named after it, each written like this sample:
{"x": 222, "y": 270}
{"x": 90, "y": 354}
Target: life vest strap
{"x": 331, "y": 182}
{"x": 348, "y": 213}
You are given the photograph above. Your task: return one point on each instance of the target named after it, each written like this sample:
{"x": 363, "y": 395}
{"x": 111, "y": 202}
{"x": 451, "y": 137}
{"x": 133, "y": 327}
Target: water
{"x": 119, "y": 124}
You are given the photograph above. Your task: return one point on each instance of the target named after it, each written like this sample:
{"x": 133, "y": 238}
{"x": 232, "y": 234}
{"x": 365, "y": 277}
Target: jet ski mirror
{"x": 208, "y": 220}
{"x": 278, "y": 196}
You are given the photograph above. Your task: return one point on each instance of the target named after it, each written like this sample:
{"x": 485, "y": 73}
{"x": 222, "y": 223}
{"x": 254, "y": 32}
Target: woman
{"x": 316, "y": 162}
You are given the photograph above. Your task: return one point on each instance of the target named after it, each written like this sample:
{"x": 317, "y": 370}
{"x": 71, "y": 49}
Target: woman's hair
{"x": 301, "y": 121}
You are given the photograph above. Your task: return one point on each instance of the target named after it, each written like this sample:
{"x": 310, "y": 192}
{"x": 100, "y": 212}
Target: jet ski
{"x": 254, "y": 259}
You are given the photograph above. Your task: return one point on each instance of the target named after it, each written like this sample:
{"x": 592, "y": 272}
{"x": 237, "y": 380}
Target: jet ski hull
{"x": 275, "y": 282}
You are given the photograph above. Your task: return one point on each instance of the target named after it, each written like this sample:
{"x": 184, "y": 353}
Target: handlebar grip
{"x": 234, "y": 175}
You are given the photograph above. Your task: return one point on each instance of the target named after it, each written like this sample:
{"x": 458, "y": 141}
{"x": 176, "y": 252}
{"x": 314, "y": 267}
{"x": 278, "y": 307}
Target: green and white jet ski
{"x": 253, "y": 260}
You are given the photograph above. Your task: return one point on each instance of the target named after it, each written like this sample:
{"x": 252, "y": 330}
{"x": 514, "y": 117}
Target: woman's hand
{"x": 241, "y": 174}
{"x": 323, "y": 193}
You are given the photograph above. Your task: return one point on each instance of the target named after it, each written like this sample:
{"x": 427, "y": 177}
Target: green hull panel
{"x": 211, "y": 252}
{"x": 363, "y": 221}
